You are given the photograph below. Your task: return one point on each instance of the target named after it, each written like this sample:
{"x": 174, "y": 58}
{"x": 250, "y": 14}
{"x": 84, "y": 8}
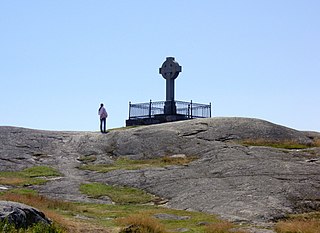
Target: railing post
{"x": 191, "y": 108}
{"x": 129, "y": 109}
{"x": 210, "y": 109}
{"x": 150, "y": 105}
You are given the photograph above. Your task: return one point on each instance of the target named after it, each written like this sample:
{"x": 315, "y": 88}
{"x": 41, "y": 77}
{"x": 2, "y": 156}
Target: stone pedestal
{"x": 170, "y": 108}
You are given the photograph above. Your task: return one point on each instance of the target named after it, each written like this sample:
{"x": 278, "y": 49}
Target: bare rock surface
{"x": 22, "y": 216}
{"x": 241, "y": 183}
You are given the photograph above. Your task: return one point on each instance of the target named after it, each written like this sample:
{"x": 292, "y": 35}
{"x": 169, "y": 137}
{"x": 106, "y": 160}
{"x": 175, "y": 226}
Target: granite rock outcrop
{"x": 239, "y": 182}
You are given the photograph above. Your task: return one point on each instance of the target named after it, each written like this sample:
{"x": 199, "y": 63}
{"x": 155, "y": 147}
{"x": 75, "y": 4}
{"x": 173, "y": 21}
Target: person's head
{"x": 101, "y": 105}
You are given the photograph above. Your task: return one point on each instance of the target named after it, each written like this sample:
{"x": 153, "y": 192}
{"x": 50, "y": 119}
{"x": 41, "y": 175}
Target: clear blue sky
{"x": 59, "y": 59}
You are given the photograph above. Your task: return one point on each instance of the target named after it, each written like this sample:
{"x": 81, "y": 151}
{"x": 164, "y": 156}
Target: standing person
{"x": 103, "y": 118}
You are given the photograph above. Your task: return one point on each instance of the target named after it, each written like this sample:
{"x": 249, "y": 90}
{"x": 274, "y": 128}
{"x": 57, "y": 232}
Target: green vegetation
{"x": 277, "y": 144}
{"x": 40, "y": 171}
{"x": 29, "y": 176}
{"x": 144, "y": 220}
{"x": 129, "y": 202}
{"x": 5, "y": 227}
{"x": 21, "y": 191}
{"x": 75, "y": 217}
{"x": 119, "y": 195}
{"x": 130, "y": 164}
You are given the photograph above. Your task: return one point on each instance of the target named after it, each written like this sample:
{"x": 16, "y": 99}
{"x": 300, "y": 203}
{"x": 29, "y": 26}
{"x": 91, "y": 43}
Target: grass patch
{"x": 141, "y": 223}
{"x": 298, "y": 226}
{"x": 87, "y": 158}
{"x": 75, "y": 217}
{"x": 20, "y": 191}
{"x": 276, "y": 144}
{"x": 222, "y": 227}
{"x": 119, "y": 195}
{"x": 60, "y": 212}
{"x": 28, "y": 176}
{"x": 195, "y": 221}
{"x": 119, "y": 212}
{"x": 33, "y": 199}
{"x": 130, "y": 164}
{"x": 300, "y": 223}
{"x": 37, "y": 228}
{"x": 20, "y": 181}
{"x": 316, "y": 142}
{"x": 39, "y": 171}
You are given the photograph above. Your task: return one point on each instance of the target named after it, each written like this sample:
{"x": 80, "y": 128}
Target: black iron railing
{"x": 152, "y": 109}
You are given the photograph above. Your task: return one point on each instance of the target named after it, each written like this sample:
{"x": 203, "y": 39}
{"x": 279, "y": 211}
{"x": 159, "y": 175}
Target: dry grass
{"x": 39, "y": 202}
{"x": 222, "y": 227}
{"x": 141, "y": 224}
{"x": 300, "y": 223}
{"x": 285, "y": 144}
{"x": 176, "y": 160}
{"x": 89, "y": 218}
{"x": 316, "y": 142}
{"x": 131, "y": 164}
{"x": 298, "y": 226}
{"x": 14, "y": 181}
{"x": 50, "y": 208}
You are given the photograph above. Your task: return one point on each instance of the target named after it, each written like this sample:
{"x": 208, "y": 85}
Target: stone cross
{"x": 170, "y": 70}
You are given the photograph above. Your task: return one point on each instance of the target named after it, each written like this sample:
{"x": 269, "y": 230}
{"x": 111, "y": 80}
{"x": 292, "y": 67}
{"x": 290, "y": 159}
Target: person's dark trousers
{"x": 103, "y": 125}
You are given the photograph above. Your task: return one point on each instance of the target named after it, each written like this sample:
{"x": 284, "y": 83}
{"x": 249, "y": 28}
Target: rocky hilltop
{"x": 236, "y": 175}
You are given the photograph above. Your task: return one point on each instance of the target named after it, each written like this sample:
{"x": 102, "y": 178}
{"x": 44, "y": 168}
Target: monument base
{"x": 156, "y": 119}
{"x": 170, "y": 108}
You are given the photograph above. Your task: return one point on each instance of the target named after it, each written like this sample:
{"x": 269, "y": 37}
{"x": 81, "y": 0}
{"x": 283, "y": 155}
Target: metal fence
{"x": 152, "y": 109}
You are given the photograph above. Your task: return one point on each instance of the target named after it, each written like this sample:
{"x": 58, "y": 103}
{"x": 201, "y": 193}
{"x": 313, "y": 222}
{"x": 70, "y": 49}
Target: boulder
{"x": 22, "y": 216}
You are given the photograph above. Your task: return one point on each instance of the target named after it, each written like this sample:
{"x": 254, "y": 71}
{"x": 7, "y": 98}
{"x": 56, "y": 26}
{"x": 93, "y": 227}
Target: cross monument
{"x": 170, "y": 70}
